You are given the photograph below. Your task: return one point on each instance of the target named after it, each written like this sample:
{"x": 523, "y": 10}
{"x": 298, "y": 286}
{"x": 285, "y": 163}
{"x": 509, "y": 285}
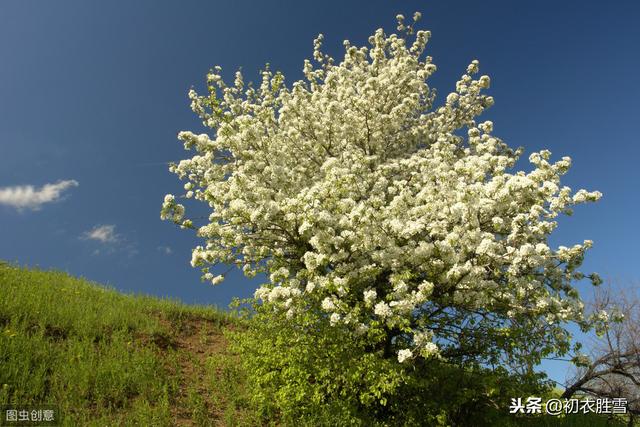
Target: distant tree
{"x": 393, "y": 220}
{"x": 612, "y": 370}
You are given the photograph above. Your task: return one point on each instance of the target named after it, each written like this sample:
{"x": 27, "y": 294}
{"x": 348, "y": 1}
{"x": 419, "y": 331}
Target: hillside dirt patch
{"x": 194, "y": 340}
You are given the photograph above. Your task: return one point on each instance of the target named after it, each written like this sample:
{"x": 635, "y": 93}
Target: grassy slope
{"x": 111, "y": 359}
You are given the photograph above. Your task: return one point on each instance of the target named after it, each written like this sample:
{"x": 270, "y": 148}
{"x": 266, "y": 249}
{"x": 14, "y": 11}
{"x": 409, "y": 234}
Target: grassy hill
{"x": 106, "y": 359}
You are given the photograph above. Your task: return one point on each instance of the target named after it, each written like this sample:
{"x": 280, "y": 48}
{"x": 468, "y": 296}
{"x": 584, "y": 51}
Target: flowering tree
{"x": 398, "y": 219}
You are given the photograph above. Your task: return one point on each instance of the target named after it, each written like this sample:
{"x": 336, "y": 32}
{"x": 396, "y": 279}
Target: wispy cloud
{"x": 110, "y": 241}
{"x": 102, "y": 233}
{"x": 29, "y": 197}
{"x": 165, "y": 249}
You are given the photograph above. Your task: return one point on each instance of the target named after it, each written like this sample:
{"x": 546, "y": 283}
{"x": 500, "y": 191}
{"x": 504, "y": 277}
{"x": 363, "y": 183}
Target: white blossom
{"x": 370, "y": 296}
{"x": 354, "y": 187}
{"x": 334, "y": 318}
{"x": 383, "y": 310}
{"x": 328, "y": 304}
{"x": 217, "y": 280}
{"x": 404, "y": 354}
{"x": 429, "y": 349}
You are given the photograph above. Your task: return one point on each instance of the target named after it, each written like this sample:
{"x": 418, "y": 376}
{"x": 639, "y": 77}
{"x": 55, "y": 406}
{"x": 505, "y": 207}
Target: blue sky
{"x": 92, "y": 95}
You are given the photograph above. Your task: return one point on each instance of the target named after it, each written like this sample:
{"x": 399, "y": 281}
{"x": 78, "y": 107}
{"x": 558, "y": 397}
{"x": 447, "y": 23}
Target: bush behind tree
{"x": 307, "y": 370}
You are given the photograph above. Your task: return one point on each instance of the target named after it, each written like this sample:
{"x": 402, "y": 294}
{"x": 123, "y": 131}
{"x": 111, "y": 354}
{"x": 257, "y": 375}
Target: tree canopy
{"x": 396, "y": 218}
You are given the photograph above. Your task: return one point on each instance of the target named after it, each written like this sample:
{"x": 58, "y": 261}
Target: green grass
{"x": 105, "y": 358}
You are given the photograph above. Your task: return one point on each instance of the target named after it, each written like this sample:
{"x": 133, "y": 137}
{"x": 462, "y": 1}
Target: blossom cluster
{"x": 358, "y": 195}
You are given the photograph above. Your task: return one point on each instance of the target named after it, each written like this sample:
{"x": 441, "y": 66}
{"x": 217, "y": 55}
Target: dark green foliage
{"x": 305, "y": 369}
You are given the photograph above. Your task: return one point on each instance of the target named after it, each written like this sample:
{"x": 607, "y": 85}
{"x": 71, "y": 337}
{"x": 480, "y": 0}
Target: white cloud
{"x": 102, "y": 233}
{"x": 165, "y": 249}
{"x": 111, "y": 242}
{"x": 30, "y": 197}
